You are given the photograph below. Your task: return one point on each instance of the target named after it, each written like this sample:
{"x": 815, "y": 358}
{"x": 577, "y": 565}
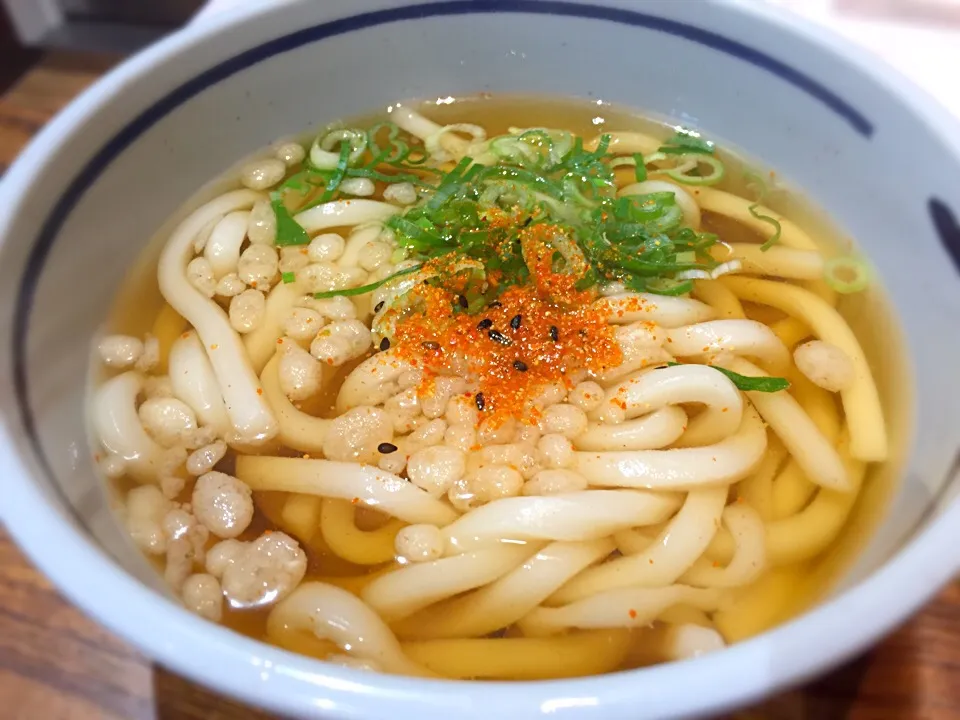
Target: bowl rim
{"x": 268, "y": 676}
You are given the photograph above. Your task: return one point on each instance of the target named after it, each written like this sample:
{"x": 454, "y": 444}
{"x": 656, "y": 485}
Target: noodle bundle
{"x": 455, "y": 400}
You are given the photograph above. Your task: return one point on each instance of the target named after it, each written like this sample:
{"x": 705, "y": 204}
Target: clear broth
{"x": 779, "y": 594}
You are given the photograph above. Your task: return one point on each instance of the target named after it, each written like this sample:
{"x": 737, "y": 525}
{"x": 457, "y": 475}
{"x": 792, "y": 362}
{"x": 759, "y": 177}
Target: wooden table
{"x": 55, "y": 664}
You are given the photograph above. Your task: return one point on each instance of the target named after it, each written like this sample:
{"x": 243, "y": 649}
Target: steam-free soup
{"x": 491, "y": 389}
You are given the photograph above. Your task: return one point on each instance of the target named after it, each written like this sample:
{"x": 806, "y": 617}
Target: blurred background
{"x": 919, "y": 37}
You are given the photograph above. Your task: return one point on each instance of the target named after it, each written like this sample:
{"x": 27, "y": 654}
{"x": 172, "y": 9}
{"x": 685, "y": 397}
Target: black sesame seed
{"x": 528, "y": 221}
{"x": 515, "y": 322}
{"x": 499, "y": 337}
{"x": 554, "y": 333}
{"x": 431, "y": 345}
{"x": 520, "y": 365}
{"x": 481, "y": 402}
{"x": 463, "y": 302}
{"x": 378, "y": 307}
{"x": 386, "y": 448}
{"x": 385, "y": 344}
{"x": 485, "y": 324}
{"x": 495, "y": 303}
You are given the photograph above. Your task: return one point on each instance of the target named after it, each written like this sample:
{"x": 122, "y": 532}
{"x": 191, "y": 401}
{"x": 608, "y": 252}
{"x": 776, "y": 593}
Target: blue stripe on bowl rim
{"x": 445, "y": 8}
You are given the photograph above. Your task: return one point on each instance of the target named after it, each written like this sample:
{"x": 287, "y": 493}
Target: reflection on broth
{"x": 499, "y": 389}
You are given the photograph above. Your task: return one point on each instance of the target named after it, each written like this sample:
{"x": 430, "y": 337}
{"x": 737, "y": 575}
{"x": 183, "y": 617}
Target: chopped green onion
{"x": 301, "y": 182}
{"x": 288, "y": 277}
{"x": 338, "y": 174}
{"x": 355, "y": 142}
{"x": 602, "y": 146}
{"x": 289, "y": 231}
{"x": 846, "y": 275}
{"x": 514, "y": 150}
{"x": 524, "y": 177}
{"x": 750, "y": 383}
{"x": 772, "y": 221}
{"x": 755, "y": 384}
{"x": 755, "y": 181}
{"x": 540, "y": 176}
{"x": 685, "y": 141}
{"x": 396, "y": 150}
{"x": 680, "y": 174}
{"x": 669, "y": 287}
{"x": 450, "y": 183}
{"x": 415, "y": 236}
{"x": 366, "y": 172}
{"x": 364, "y": 289}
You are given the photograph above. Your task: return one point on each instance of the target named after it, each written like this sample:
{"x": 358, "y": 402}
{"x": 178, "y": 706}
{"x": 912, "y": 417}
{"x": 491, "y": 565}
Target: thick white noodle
{"x": 658, "y": 429}
{"x": 667, "y": 642}
{"x": 413, "y": 122}
{"x": 372, "y": 382}
{"x": 298, "y": 430}
{"x": 424, "y": 128}
{"x": 505, "y": 601}
{"x": 724, "y": 463}
{"x": 686, "y": 203}
{"x": 344, "y": 213}
{"x": 577, "y": 654}
{"x": 634, "y": 541}
{"x": 740, "y": 337}
{"x": 777, "y": 261}
{"x": 641, "y": 344}
{"x": 333, "y": 614}
{"x": 675, "y": 550}
{"x": 636, "y": 361}
{"x": 194, "y": 382}
{"x": 626, "y": 143}
{"x": 577, "y": 516}
{"x": 117, "y": 424}
{"x": 665, "y": 311}
{"x": 810, "y": 532}
{"x": 861, "y": 401}
{"x": 222, "y": 250}
{"x": 749, "y": 559}
{"x": 358, "y": 239}
{"x": 261, "y": 342}
{"x": 715, "y": 294}
{"x": 814, "y": 453}
{"x": 248, "y": 411}
{"x": 627, "y": 607}
{"x": 676, "y": 385}
{"x": 361, "y": 484}
{"x": 403, "y": 592}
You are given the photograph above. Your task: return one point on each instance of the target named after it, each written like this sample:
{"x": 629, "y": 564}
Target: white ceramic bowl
{"x": 78, "y": 206}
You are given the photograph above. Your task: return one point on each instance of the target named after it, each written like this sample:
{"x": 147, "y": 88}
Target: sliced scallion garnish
{"x": 762, "y": 189}
{"x": 289, "y": 231}
{"x": 687, "y": 141}
{"x": 364, "y": 289}
{"x": 479, "y": 211}
{"x": 321, "y": 152}
{"x": 846, "y": 275}
{"x": 750, "y": 383}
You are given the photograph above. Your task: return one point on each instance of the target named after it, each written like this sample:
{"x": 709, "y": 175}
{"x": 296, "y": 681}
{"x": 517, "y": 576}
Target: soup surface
{"x": 493, "y": 389}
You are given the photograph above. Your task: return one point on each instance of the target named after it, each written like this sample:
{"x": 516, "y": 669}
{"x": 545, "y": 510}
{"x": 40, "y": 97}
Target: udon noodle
{"x": 426, "y": 399}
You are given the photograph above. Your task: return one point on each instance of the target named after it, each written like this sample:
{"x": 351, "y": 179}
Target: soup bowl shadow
{"x": 878, "y": 156}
